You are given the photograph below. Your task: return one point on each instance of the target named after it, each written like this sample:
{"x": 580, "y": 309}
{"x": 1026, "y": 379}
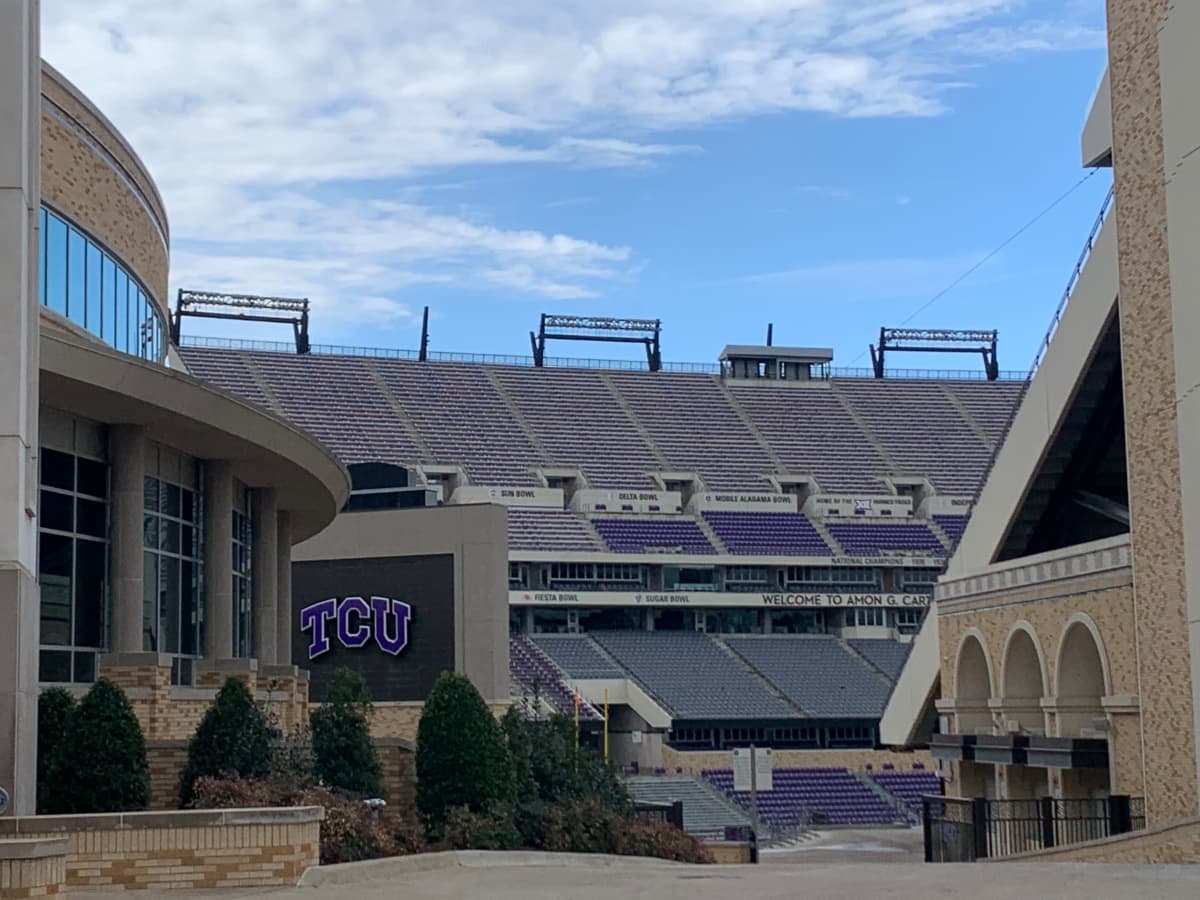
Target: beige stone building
{"x": 1064, "y": 655}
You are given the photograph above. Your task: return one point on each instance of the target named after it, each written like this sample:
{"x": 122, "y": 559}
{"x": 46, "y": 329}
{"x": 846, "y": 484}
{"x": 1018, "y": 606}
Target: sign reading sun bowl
{"x": 358, "y": 621}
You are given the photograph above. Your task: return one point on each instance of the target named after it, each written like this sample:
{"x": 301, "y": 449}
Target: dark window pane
{"x": 171, "y": 500}
{"x": 188, "y": 611}
{"x": 187, "y": 541}
{"x": 91, "y": 517}
{"x": 93, "y": 478}
{"x": 187, "y": 506}
{"x": 85, "y": 667}
{"x": 99, "y": 319}
{"x": 55, "y": 562}
{"x": 56, "y": 265}
{"x": 169, "y": 532}
{"x": 168, "y": 603}
{"x": 150, "y": 493}
{"x": 121, "y": 280}
{"x": 56, "y": 511}
{"x": 76, "y": 261}
{"x": 54, "y": 666}
{"x": 150, "y": 532}
{"x": 149, "y": 602}
{"x": 91, "y": 589}
{"x": 58, "y": 469}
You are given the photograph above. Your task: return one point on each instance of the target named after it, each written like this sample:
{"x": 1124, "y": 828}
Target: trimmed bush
{"x": 99, "y": 764}
{"x": 55, "y": 708}
{"x": 350, "y": 832}
{"x": 462, "y": 758}
{"x": 234, "y": 792}
{"x": 232, "y": 739}
{"x": 492, "y": 829}
{"x": 343, "y": 753}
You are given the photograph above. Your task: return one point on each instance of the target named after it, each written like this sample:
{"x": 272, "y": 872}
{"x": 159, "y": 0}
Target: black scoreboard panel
{"x": 391, "y": 619}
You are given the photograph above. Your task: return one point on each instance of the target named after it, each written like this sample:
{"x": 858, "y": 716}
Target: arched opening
{"x": 973, "y": 690}
{"x": 1024, "y": 687}
{"x": 1080, "y": 687}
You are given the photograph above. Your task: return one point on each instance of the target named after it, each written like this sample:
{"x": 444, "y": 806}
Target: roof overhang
{"x": 88, "y": 379}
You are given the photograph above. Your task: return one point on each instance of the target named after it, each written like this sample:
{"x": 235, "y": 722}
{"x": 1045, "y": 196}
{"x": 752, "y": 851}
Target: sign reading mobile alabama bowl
{"x": 781, "y": 599}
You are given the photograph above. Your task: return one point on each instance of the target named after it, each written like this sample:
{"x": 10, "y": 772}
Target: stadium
{"x": 930, "y": 594}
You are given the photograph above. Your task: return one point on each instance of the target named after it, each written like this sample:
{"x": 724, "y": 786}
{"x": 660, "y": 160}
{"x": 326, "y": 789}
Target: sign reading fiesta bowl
{"x": 356, "y": 621}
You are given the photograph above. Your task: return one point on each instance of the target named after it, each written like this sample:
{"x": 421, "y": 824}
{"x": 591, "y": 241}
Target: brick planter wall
{"x": 32, "y": 868}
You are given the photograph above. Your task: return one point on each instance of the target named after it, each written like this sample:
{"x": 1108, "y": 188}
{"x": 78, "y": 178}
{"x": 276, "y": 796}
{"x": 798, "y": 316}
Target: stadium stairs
{"x": 402, "y": 416}
{"x": 712, "y": 536}
{"x": 827, "y": 536}
{"x": 634, "y": 420}
{"x": 941, "y": 535}
{"x": 763, "y": 680}
{"x": 861, "y": 657}
{"x": 514, "y": 411}
{"x": 902, "y": 807}
{"x": 971, "y": 421}
{"x": 752, "y": 429}
{"x": 706, "y": 811}
{"x": 872, "y": 438}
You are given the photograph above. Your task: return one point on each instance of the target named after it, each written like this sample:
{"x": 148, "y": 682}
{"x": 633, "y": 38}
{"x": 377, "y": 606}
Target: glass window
{"x": 79, "y": 280}
{"x": 73, "y": 550}
{"x": 56, "y": 265}
{"x": 243, "y": 541}
{"x": 171, "y": 602}
{"x": 77, "y": 309}
{"x": 42, "y": 235}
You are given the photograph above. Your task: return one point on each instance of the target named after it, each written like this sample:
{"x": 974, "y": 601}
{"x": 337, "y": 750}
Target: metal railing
{"x": 961, "y": 830}
{"x": 564, "y": 362}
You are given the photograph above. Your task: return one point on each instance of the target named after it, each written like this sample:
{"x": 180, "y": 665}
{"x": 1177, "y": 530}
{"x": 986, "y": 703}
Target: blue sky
{"x": 824, "y": 165}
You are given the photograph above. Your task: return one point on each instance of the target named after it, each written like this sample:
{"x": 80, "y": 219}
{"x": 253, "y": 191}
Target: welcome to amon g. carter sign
{"x": 390, "y": 619}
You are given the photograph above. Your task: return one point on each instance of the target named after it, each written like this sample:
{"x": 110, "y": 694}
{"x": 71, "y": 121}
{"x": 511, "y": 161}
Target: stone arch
{"x": 1081, "y": 668}
{"x": 974, "y": 678}
{"x": 1024, "y": 669}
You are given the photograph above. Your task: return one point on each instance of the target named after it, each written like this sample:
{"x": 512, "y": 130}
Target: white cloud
{"x": 286, "y": 135}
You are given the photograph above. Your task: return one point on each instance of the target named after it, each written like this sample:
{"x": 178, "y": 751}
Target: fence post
{"x": 927, "y": 828}
{"x": 980, "y": 825}
{"x": 1120, "y": 815}
{"x": 677, "y": 814}
{"x": 1046, "y": 805}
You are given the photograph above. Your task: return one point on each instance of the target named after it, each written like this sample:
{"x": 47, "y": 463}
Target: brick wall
{"x": 205, "y": 849}
{"x": 32, "y": 868}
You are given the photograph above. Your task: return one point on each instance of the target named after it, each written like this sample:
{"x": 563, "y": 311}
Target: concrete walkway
{"x": 525, "y": 876}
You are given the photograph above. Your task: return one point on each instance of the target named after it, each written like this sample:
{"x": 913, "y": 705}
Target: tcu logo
{"x": 358, "y": 620}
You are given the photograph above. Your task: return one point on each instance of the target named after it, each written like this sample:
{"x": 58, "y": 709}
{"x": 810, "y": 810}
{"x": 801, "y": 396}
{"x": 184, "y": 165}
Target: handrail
{"x": 499, "y": 359}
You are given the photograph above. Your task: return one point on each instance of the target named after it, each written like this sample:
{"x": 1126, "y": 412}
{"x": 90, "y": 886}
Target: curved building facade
{"x": 146, "y": 517}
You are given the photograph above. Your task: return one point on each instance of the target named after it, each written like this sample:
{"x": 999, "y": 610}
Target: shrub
{"x": 350, "y": 832}
{"x": 662, "y": 841}
{"x": 55, "y": 708}
{"x": 100, "y": 761}
{"x": 343, "y": 753}
{"x": 290, "y": 765}
{"x": 232, "y": 739}
{"x": 462, "y": 758}
{"x": 492, "y": 829}
{"x": 233, "y": 792}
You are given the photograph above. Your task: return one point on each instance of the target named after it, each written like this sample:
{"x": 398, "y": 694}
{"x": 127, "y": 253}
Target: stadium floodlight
{"x": 937, "y": 340}
{"x": 599, "y": 328}
{"x": 249, "y": 308}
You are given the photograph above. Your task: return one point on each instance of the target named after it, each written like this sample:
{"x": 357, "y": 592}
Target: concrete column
{"x": 20, "y": 200}
{"x": 283, "y": 590}
{"x": 218, "y": 559}
{"x": 265, "y": 518}
{"x": 127, "y": 452}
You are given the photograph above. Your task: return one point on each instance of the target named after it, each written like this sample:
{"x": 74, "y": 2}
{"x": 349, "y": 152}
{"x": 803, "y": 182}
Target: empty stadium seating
{"x": 909, "y": 787}
{"x": 952, "y": 526}
{"x": 706, "y": 811}
{"x": 653, "y": 535}
{"x": 767, "y": 534}
{"x": 799, "y": 793}
{"x": 577, "y": 656}
{"x": 667, "y": 666}
{"x": 535, "y": 672}
{"x": 549, "y": 529}
{"x": 887, "y": 656}
{"x": 865, "y": 538}
{"x": 817, "y": 673}
{"x": 500, "y": 422}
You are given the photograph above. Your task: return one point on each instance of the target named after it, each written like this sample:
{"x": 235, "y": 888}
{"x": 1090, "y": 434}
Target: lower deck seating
{"x": 804, "y": 797}
{"x": 909, "y": 787}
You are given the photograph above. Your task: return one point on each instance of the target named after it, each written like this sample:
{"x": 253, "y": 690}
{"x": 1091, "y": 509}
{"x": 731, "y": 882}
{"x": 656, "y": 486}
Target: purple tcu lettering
{"x": 353, "y": 630}
{"x": 401, "y": 612}
{"x": 313, "y": 618}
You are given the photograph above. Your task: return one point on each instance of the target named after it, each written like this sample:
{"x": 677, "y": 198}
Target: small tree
{"x": 462, "y": 759}
{"x": 233, "y": 739}
{"x": 343, "y": 753}
{"x": 100, "y": 764}
{"x": 55, "y": 708}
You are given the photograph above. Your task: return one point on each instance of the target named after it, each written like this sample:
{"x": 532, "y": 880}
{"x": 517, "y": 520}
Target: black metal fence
{"x": 671, "y": 813}
{"x": 960, "y": 830}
